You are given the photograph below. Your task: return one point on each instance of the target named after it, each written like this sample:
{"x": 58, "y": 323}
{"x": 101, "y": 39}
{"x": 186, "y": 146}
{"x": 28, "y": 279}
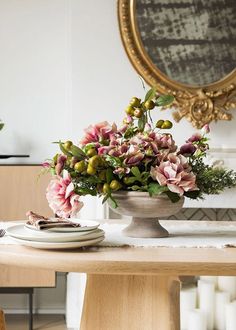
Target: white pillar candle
{"x": 221, "y": 300}
{"x": 230, "y": 316}
{"x": 213, "y": 279}
{"x": 196, "y": 320}
{"x": 206, "y": 301}
{"x": 188, "y": 299}
{"x": 227, "y": 283}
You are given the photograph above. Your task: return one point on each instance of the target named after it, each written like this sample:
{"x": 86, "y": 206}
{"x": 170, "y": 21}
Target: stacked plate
{"x": 58, "y": 237}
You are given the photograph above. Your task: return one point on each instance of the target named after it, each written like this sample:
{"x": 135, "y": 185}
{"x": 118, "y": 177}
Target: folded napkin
{"x": 40, "y": 222}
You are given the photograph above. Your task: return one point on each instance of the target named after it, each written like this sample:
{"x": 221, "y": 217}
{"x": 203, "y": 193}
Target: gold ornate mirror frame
{"x": 199, "y": 105}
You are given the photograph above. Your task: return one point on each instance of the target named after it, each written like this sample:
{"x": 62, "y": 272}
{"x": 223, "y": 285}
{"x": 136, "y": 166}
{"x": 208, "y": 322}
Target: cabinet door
{"x": 22, "y": 188}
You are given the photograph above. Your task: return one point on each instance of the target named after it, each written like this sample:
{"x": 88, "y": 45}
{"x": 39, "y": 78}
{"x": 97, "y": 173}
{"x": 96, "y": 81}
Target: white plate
{"x": 85, "y": 226}
{"x": 58, "y": 246}
{"x": 21, "y": 232}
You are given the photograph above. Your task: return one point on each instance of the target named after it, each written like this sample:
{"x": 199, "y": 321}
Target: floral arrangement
{"x": 138, "y": 156}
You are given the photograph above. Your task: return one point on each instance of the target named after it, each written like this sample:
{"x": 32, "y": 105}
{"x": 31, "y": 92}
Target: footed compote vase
{"x": 146, "y": 212}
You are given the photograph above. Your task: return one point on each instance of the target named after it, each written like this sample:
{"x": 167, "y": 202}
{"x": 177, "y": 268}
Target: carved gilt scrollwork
{"x": 199, "y": 105}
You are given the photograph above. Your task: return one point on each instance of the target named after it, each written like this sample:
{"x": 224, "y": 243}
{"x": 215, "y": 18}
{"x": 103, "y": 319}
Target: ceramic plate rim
{"x": 58, "y": 246}
{"x": 59, "y": 237}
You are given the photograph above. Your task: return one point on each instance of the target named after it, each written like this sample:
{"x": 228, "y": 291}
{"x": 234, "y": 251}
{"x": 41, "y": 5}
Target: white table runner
{"x": 182, "y": 234}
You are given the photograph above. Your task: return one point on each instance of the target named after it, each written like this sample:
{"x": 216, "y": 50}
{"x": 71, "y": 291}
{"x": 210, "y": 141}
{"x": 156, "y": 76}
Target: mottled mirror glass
{"x": 191, "y": 41}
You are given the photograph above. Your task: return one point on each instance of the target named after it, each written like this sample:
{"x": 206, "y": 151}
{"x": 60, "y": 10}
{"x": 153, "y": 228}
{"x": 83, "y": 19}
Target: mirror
{"x": 186, "y": 48}
{"x": 192, "y": 42}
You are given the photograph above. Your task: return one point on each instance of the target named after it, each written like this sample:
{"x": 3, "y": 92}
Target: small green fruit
{"x": 91, "y": 170}
{"x": 130, "y": 110}
{"x": 106, "y": 188}
{"x": 80, "y": 166}
{"x": 115, "y": 185}
{"x": 159, "y": 123}
{"x": 135, "y": 102}
{"x": 138, "y": 113}
{"x": 149, "y": 105}
{"x": 167, "y": 124}
{"x": 91, "y": 152}
{"x": 67, "y": 145}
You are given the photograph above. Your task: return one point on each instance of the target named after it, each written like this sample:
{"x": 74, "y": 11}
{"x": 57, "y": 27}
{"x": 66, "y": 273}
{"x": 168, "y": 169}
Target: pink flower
{"x": 99, "y": 132}
{"x": 195, "y": 138}
{"x": 187, "y": 149}
{"x": 175, "y": 174}
{"x": 61, "y": 159}
{"x": 46, "y": 164}
{"x": 205, "y": 129}
{"x": 133, "y": 156}
{"x": 165, "y": 141}
{"x": 61, "y": 196}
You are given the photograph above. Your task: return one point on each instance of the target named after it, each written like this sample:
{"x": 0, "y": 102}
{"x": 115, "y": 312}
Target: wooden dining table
{"x": 127, "y": 287}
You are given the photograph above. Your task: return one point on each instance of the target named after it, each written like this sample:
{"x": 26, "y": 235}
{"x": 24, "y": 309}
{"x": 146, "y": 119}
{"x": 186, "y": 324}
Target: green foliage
{"x": 164, "y": 100}
{"x": 155, "y": 189}
{"x": 1, "y": 126}
{"x": 150, "y": 95}
{"x": 212, "y": 180}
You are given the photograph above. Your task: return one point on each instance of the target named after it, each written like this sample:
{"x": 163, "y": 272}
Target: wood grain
{"x": 123, "y": 260}
{"x": 21, "y": 190}
{"x": 2, "y": 320}
{"x": 131, "y": 302}
{"x": 11, "y": 276}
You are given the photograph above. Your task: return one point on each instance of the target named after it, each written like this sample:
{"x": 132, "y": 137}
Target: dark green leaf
{"x": 150, "y": 94}
{"x": 155, "y": 189}
{"x": 173, "y": 196}
{"x": 109, "y": 175}
{"x": 192, "y": 194}
{"x": 164, "y": 100}
{"x": 135, "y": 171}
{"x": 1, "y": 126}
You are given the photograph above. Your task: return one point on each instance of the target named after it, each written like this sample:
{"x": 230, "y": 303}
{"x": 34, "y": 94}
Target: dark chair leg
{"x": 31, "y": 310}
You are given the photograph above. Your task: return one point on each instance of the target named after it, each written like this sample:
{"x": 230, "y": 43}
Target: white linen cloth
{"x": 182, "y": 234}
{"x": 199, "y": 234}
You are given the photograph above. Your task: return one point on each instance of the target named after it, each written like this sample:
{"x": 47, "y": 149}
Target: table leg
{"x": 135, "y": 302}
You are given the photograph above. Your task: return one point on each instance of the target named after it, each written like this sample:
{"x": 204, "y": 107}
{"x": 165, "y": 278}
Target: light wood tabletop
{"x": 136, "y": 288}
{"x": 125, "y": 260}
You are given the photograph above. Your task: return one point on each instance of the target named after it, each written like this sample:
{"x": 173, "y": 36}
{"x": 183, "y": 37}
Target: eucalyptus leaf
{"x": 164, "y": 100}
{"x": 150, "y": 94}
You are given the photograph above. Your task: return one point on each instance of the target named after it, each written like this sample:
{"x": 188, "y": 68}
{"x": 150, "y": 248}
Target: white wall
{"x": 63, "y": 67}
